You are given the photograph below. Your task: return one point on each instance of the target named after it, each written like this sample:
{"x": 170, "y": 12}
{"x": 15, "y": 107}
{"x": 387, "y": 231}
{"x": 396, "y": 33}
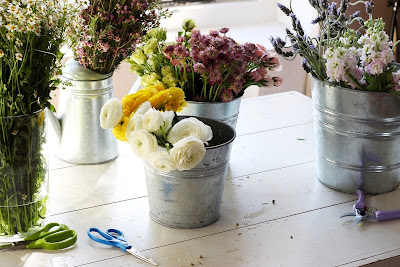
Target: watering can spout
{"x": 55, "y": 125}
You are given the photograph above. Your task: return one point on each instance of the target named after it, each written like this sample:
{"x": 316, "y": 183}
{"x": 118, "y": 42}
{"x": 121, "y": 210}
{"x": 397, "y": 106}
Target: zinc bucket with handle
{"x": 357, "y": 138}
{"x": 192, "y": 198}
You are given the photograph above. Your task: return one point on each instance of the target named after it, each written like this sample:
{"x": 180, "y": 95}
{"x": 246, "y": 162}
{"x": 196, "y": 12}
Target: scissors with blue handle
{"x": 53, "y": 236}
{"x": 115, "y": 238}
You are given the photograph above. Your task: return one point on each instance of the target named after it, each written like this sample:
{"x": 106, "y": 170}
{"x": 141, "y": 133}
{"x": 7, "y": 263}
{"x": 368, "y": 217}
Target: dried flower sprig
{"x": 106, "y": 32}
{"x": 333, "y": 23}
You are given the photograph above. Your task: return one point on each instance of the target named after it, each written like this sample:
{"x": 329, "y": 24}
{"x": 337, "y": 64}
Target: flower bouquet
{"x": 31, "y": 35}
{"x": 340, "y": 55}
{"x": 146, "y": 120}
{"x": 208, "y": 67}
{"x": 355, "y": 91}
{"x": 106, "y": 32}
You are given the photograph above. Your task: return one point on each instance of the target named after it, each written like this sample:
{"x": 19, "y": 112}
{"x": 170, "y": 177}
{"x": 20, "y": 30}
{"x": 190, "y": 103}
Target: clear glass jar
{"x": 24, "y": 179}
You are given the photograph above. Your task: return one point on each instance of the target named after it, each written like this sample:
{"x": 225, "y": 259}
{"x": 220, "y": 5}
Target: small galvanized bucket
{"x": 357, "y": 139}
{"x": 192, "y": 199}
{"x": 226, "y": 112}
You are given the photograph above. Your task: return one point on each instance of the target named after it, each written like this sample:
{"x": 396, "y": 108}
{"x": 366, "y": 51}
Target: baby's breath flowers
{"x": 209, "y": 67}
{"x": 106, "y": 32}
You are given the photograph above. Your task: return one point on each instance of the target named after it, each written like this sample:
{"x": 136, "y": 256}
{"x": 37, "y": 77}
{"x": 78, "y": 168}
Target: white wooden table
{"x": 272, "y": 160}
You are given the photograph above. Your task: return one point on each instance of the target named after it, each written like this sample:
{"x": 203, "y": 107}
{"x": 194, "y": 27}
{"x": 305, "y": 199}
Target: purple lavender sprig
{"x": 333, "y": 23}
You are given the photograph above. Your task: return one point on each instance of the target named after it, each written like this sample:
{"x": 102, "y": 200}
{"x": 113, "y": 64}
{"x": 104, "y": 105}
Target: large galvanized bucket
{"x": 192, "y": 199}
{"x": 357, "y": 139}
{"x": 226, "y": 112}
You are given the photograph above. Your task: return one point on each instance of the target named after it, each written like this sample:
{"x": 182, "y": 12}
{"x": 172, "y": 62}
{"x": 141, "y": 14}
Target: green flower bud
{"x": 166, "y": 70}
{"x": 151, "y": 46}
{"x": 138, "y": 57}
{"x": 158, "y": 33}
{"x": 150, "y": 79}
{"x": 188, "y": 25}
{"x": 169, "y": 80}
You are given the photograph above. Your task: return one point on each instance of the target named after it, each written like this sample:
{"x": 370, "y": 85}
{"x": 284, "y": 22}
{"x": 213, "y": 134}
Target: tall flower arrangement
{"x": 209, "y": 67}
{"x": 358, "y": 59}
{"x": 30, "y": 39}
{"x": 106, "y": 32}
{"x": 148, "y": 122}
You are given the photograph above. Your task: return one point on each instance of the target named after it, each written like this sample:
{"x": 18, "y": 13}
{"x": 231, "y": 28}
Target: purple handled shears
{"x": 362, "y": 211}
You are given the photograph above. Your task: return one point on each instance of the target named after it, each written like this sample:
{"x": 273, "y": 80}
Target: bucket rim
{"x": 214, "y": 103}
{"x": 203, "y": 119}
{"x": 349, "y": 89}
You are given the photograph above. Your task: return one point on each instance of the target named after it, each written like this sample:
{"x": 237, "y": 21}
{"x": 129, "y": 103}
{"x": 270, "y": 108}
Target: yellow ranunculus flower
{"x": 172, "y": 98}
{"x": 120, "y": 129}
{"x": 130, "y": 103}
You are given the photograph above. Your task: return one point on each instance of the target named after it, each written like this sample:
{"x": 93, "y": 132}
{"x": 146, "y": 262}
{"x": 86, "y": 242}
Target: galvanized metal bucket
{"x": 83, "y": 141}
{"x": 357, "y": 139}
{"x": 221, "y": 111}
{"x": 192, "y": 199}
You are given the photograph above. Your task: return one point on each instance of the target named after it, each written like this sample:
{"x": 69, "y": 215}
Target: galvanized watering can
{"x": 82, "y": 140}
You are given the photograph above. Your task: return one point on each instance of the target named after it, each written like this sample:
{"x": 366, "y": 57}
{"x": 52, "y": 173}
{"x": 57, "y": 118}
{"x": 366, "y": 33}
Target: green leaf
{"x": 368, "y": 78}
{"x": 374, "y": 86}
{"x": 353, "y": 79}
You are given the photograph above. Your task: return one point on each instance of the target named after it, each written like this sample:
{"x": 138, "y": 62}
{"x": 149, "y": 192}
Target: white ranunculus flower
{"x": 134, "y": 124}
{"x": 143, "y": 143}
{"x": 187, "y": 153}
{"x": 111, "y": 114}
{"x": 161, "y": 160}
{"x": 143, "y": 108}
{"x": 153, "y": 120}
{"x": 168, "y": 117}
{"x": 190, "y": 127}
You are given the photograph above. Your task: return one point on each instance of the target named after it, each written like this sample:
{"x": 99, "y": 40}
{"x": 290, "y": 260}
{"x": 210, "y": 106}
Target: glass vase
{"x": 24, "y": 183}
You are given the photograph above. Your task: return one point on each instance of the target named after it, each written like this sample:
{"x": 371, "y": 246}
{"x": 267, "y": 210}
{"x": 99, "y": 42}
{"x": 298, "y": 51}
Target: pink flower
{"x": 226, "y": 95}
{"x": 277, "y": 81}
{"x": 256, "y": 76}
{"x": 274, "y": 59}
{"x": 376, "y": 66}
{"x": 180, "y": 39}
{"x": 224, "y": 30}
{"x": 269, "y": 80}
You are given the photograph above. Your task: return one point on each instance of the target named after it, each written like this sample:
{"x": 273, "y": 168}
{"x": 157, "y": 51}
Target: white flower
{"x": 111, "y": 114}
{"x": 1, "y": 53}
{"x": 153, "y": 120}
{"x": 190, "y": 127}
{"x": 143, "y": 143}
{"x": 134, "y": 124}
{"x": 11, "y": 27}
{"x": 18, "y": 56}
{"x": 161, "y": 160}
{"x": 143, "y": 108}
{"x": 168, "y": 116}
{"x": 187, "y": 153}
{"x": 18, "y": 42}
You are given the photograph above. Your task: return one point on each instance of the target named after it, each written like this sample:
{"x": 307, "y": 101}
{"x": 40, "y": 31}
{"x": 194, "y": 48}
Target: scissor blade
{"x": 132, "y": 252}
{"x": 15, "y": 245}
{"x": 348, "y": 214}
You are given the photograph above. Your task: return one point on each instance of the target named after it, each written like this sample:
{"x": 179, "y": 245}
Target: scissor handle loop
{"x": 110, "y": 239}
{"x": 55, "y": 241}
{"x": 116, "y": 234}
{"x": 45, "y": 231}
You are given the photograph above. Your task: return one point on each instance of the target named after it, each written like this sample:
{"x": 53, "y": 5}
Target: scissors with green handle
{"x": 47, "y": 238}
